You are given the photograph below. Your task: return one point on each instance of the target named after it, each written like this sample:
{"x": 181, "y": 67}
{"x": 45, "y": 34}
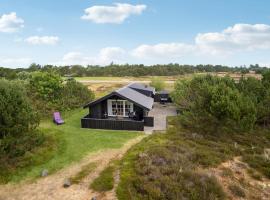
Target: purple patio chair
{"x": 57, "y": 118}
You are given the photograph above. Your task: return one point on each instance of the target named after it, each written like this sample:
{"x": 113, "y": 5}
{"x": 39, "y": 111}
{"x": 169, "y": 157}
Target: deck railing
{"x": 149, "y": 121}
{"x": 112, "y": 124}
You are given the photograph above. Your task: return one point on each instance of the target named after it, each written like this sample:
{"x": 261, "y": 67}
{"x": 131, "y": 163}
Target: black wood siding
{"x": 112, "y": 124}
{"x": 149, "y": 121}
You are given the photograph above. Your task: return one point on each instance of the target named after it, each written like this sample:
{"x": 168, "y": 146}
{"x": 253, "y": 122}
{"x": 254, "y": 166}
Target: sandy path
{"x": 51, "y": 187}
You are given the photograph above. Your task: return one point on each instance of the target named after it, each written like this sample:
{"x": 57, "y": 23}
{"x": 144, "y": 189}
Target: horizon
{"x": 136, "y": 65}
{"x": 148, "y": 32}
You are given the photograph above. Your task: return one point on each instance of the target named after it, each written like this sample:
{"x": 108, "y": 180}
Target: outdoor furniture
{"x": 57, "y": 118}
{"x": 132, "y": 115}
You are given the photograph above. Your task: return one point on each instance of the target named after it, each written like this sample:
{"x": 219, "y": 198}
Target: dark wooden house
{"x": 144, "y": 89}
{"x": 123, "y": 109}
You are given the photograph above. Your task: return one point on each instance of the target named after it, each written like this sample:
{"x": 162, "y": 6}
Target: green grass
{"x": 105, "y": 180}
{"x": 73, "y": 143}
{"x": 87, "y": 169}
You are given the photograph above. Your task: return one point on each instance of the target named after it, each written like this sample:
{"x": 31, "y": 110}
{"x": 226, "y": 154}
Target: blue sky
{"x": 228, "y": 32}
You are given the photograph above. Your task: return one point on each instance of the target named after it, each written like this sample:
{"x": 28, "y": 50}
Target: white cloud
{"x": 104, "y": 57}
{"x": 110, "y": 54}
{"x": 44, "y": 40}
{"x": 240, "y": 37}
{"x": 116, "y": 14}
{"x": 15, "y": 62}
{"x": 167, "y": 50}
{"x": 235, "y": 41}
{"x": 10, "y": 23}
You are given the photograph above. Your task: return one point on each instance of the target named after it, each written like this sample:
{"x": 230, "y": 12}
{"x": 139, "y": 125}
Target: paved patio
{"x": 160, "y": 113}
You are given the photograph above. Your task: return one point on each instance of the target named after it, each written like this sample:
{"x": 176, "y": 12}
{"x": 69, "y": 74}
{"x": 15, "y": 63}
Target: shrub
{"x": 18, "y": 137}
{"x": 49, "y": 93}
{"x": 46, "y": 85}
{"x": 158, "y": 84}
{"x": 213, "y": 105}
{"x": 17, "y": 116}
{"x": 75, "y": 94}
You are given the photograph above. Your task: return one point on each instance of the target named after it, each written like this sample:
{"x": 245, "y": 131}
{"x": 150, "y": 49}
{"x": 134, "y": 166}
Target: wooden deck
{"x": 112, "y": 124}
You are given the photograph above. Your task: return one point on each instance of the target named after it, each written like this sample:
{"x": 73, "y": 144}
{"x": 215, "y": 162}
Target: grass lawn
{"x": 73, "y": 143}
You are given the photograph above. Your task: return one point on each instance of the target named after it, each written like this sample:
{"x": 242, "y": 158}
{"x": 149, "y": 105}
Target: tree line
{"x": 211, "y": 104}
{"x": 127, "y": 70}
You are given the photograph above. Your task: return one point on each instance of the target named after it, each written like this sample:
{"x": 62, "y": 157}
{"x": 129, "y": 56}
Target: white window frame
{"x": 109, "y": 107}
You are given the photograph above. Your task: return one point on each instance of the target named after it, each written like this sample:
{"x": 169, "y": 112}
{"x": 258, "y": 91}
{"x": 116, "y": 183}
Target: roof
{"x": 130, "y": 95}
{"x": 136, "y": 97}
{"x": 141, "y": 86}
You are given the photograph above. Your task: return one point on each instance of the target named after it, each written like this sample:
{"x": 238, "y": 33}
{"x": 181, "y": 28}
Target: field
{"x": 73, "y": 143}
{"x": 129, "y": 78}
{"x": 104, "y": 85}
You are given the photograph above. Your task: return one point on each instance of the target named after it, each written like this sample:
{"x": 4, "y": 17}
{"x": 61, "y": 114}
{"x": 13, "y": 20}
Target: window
{"x": 119, "y": 107}
{"x": 128, "y": 108}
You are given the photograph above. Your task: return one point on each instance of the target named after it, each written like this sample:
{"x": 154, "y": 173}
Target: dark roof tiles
{"x": 141, "y": 86}
{"x": 136, "y": 97}
{"x": 129, "y": 94}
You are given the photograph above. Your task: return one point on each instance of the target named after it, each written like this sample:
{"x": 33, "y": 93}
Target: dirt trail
{"x": 51, "y": 187}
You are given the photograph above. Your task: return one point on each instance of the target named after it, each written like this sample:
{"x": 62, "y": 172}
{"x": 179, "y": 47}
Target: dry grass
{"x": 85, "y": 170}
{"x": 101, "y": 89}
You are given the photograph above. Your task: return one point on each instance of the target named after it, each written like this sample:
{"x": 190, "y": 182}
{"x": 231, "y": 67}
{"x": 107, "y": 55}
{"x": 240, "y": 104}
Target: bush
{"x": 212, "y": 105}
{"x": 46, "y": 85}
{"x": 75, "y": 94}
{"x": 158, "y": 84}
{"x": 18, "y": 137}
{"x": 49, "y": 93}
{"x": 17, "y": 116}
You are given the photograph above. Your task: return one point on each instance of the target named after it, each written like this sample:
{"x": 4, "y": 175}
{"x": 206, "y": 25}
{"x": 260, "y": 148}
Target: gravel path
{"x": 160, "y": 113}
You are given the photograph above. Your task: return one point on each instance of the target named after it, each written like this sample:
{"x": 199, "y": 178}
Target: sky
{"x": 98, "y": 32}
